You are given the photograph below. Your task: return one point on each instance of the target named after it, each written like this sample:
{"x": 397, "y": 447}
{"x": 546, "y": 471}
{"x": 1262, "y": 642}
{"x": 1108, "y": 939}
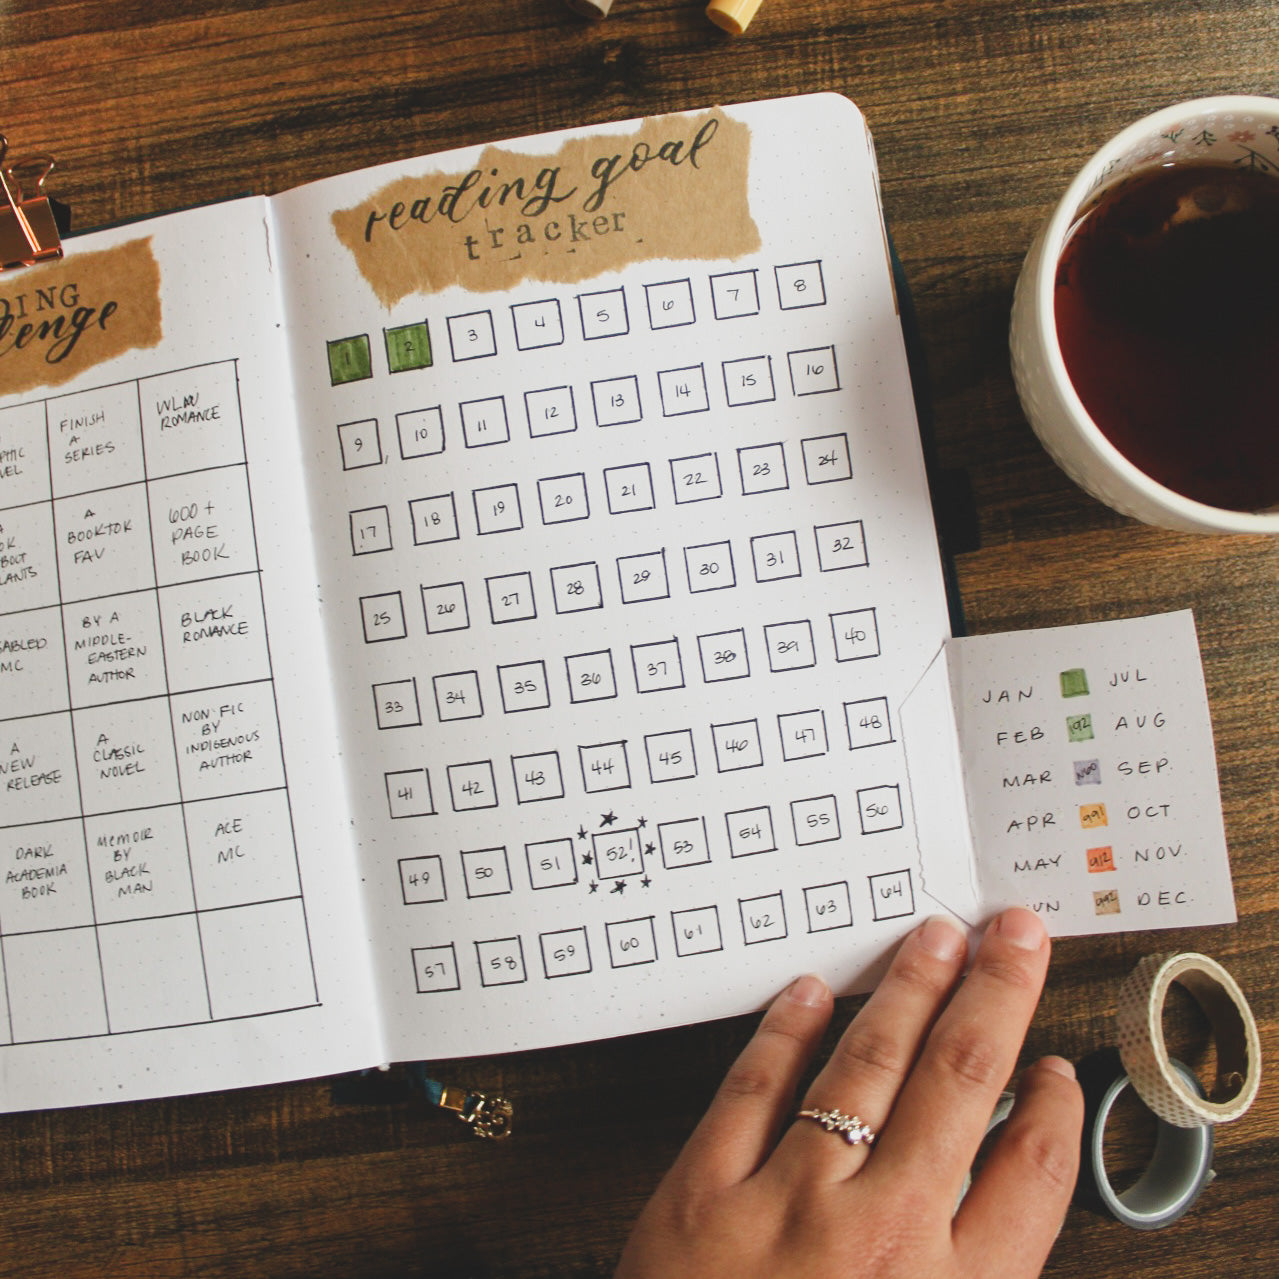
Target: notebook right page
{"x": 1091, "y": 775}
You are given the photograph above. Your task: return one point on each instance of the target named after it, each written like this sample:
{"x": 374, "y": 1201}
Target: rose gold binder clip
{"x": 28, "y": 228}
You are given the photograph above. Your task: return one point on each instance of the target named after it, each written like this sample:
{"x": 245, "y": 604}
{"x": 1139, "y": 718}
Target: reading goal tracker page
{"x": 176, "y": 884}
{"x": 628, "y": 561}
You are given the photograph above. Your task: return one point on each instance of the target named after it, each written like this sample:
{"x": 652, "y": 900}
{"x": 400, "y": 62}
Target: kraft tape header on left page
{"x": 676, "y": 187}
{"x": 60, "y": 319}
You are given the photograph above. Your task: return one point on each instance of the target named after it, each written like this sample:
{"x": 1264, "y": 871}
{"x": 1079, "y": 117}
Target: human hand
{"x": 922, "y": 1064}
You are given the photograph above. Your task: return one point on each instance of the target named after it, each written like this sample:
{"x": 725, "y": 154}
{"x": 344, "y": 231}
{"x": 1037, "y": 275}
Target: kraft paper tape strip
{"x": 1180, "y": 1165}
{"x": 1145, "y": 1055}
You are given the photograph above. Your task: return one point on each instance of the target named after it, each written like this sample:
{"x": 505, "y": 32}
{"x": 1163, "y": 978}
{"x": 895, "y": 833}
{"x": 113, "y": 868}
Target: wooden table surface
{"x": 981, "y": 110}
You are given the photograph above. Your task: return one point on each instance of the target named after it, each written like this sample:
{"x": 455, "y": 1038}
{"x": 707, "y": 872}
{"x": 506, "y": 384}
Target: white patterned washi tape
{"x": 1145, "y": 1055}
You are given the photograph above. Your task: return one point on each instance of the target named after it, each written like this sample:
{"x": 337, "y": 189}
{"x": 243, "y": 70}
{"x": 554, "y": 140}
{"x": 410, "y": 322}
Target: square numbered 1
{"x": 552, "y": 863}
{"x": 670, "y": 756}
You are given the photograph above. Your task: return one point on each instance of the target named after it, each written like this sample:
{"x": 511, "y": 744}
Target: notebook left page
{"x": 175, "y": 886}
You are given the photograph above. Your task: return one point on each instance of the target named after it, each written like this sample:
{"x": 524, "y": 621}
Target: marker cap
{"x": 733, "y": 15}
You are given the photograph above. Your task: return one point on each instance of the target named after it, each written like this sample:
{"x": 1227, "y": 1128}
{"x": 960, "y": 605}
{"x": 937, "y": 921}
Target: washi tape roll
{"x": 1145, "y": 1055}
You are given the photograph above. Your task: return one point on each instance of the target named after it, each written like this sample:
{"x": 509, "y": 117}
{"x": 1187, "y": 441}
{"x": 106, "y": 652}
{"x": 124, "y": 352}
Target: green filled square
{"x": 1074, "y": 683}
{"x": 408, "y": 347}
{"x": 1079, "y": 727}
{"x": 350, "y": 360}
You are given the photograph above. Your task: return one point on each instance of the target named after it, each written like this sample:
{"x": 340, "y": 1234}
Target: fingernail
{"x": 1021, "y": 927}
{"x": 807, "y": 990}
{"x": 1058, "y": 1065}
{"x": 941, "y": 938}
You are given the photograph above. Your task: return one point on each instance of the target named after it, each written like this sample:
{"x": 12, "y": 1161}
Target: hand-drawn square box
{"x": 841, "y": 546}
{"x": 879, "y": 808}
{"x": 617, "y": 853}
{"x": 408, "y": 793}
{"x": 617, "y": 401}
{"x": 444, "y": 608}
{"x": 563, "y": 498}
{"x": 683, "y": 843}
{"x": 815, "y": 820}
{"x": 472, "y": 336}
{"x": 434, "y": 519}
{"x": 565, "y": 952}
{"x": 457, "y": 696}
{"x": 576, "y": 588}
{"x": 629, "y": 488}
{"x": 422, "y": 880}
{"x": 435, "y": 969}
{"x": 631, "y": 942}
{"x": 868, "y": 723}
{"x": 408, "y": 347}
{"x": 737, "y": 745}
{"x": 487, "y": 872}
{"x": 603, "y": 314}
{"x": 724, "y": 656}
{"x": 749, "y": 381}
{"x": 683, "y": 391}
{"x": 696, "y": 478}
{"x": 472, "y": 786}
{"x": 762, "y": 469}
{"x": 828, "y": 906}
{"x": 484, "y": 422}
{"x": 799, "y": 285}
{"x": 421, "y": 432}
{"x": 537, "y": 324}
{"x": 734, "y": 294}
{"x": 670, "y": 304}
{"x": 383, "y": 617}
{"x": 790, "y": 646}
{"x": 524, "y": 686}
{"x": 775, "y": 556}
{"x": 710, "y": 567}
{"x": 826, "y": 459}
{"x": 643, "y": 577}
{"x": 501, "y": 961}
{"x": 360, "y": 443}
{"x": 510, "y": 598}
{"x": 750, "y": 831}
{"x": 892, "y": 895}
{"x": 590, "y": 676}
{"x": 604, "y": 766}
{"x": 497, "y": 509}
{"x": 350, "y": 360}
{"x": 856, "y": 634}
{"x": 537, "y": 777}
{"x": 803, "y": 734}
{"x": 550, "y": 411}
{"x": 370, "y": 530}
{"x": 763, "y": 918}
{"x": 697, "y": 931}
{"x": 670, "y": 755}
{"x": 657, "y": 666}
{"x": 813, "y": 372}
{"x": 396, "y": 704}
{"x": 552, "y": 863}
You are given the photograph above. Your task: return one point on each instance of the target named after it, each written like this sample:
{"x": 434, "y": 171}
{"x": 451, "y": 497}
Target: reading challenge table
{"x": 980, "y": 113}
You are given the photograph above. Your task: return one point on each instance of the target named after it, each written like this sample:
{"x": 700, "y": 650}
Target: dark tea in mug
{"x": 1167, "y": 316}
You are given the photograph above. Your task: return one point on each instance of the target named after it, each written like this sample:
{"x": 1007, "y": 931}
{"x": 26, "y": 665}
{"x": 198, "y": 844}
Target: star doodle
{"x": 607, "y": 819}
{"x": 581, "y": 832}
{"x": 620, "y": 886}
{"x": 594, "y": 887}
{"x": 587, "y": 859}
{"x": 646, "y": 881}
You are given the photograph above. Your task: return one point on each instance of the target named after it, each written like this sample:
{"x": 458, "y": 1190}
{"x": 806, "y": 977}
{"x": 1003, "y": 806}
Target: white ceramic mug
{"x": 1047, "y": 395}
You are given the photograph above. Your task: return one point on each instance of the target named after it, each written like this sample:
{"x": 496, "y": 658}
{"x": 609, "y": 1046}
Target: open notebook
{"x": 492, "y": 600}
